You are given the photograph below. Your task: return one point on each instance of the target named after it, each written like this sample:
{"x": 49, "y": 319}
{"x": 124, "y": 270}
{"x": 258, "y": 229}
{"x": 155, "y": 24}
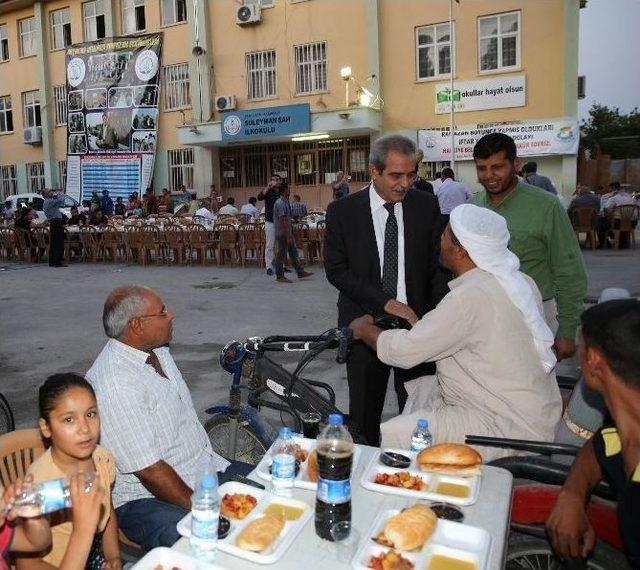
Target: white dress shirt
{"x": 249, "y": 209}
{"x": 205, "y": 213}
{"x": 451, "y": 194}
{"x": 379, "y": 215}
{"x": 146, "y": 418}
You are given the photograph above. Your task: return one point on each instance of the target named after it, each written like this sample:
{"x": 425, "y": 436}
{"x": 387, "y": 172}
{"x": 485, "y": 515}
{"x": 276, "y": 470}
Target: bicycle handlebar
{"x": 542, "y": 447}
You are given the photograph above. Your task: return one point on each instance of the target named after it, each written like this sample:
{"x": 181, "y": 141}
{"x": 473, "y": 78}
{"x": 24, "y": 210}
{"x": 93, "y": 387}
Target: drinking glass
{"x": 310, "y": 424}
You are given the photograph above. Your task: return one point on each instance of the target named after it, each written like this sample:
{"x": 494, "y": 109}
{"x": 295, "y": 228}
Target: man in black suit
{"x": 381, "y": 252}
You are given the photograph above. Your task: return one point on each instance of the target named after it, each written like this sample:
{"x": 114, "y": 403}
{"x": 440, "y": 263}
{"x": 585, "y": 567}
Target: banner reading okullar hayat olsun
{"x": 113, "y": 87}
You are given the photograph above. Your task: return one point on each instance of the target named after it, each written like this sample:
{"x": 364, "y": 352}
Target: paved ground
{"x": 50, "y": 319}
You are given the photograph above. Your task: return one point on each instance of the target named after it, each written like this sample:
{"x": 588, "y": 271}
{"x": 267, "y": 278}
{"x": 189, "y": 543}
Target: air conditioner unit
{"x": 249, "y": 14}
{"x": 32, "y": 135}
{"x": 582, "y": 86}
{"x": 225, "y": 102}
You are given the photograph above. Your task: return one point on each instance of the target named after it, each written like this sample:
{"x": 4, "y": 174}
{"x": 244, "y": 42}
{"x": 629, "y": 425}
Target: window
{"x": 176, "y": 86}
{"x": 6, "y": 115}
{"x": 311, "y": 67}
{"x": 180, "y": 168}
{"x": 60, "y": 28}
{"x": 499, "y": 42}
{"x": 93, "y": 18}
{"x": 261, "y": 75}
{"x": 133, "y": 18}
{"x": 31, "y": 109}
{"x": 62, "y": 173}
{"x": 263, "y": 3}
{"x": 4, "y": 43}
{"x": 27, "y": 32}
{"x": 174, "y": 11}
{"x": 60, "y": 95}
{"x": 35, "y": 176}
{"x": 8, "y": 180}
{"x": 433, "y": 51}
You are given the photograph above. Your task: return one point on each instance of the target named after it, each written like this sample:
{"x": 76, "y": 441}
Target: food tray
{"x": 302, "y": 478}
{"x": 451, "y": 539}
{"x": 275, "y": 551}
{"x": 430, "y": 478}
{"x": 168, "y": 559}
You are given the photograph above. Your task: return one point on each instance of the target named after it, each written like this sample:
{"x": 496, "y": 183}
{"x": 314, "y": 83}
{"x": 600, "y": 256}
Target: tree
{"x": 609, "y": 131}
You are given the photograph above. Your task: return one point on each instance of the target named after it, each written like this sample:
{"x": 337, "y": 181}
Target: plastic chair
{"x": 228, "y": 242}
{"x": 584, "y": 220}
{"x": 621, "y": 222}
{"x": 41, "y": 236}
{"x": 18, "y": 450}
{"x": 251, "y": 241}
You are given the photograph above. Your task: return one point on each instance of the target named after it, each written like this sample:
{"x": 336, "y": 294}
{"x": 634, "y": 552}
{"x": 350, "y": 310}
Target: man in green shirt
{"x": 541, "y": 236}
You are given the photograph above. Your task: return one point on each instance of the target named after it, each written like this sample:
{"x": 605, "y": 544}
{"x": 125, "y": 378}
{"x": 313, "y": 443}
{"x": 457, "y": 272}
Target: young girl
{"x": 85, "y": 536}
{"x": 26, "y": 535}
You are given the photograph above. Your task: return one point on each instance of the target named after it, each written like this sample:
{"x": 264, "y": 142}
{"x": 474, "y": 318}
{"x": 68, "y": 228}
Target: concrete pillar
{"x": 200, "y": 65}
{"x": 109, "y": 18}
{"x": 373, "y": 48}
{"x": 47, "y": 102}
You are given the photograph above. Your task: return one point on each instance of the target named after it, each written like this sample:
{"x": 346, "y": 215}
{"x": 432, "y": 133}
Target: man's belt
{"x": 575, "y": 429}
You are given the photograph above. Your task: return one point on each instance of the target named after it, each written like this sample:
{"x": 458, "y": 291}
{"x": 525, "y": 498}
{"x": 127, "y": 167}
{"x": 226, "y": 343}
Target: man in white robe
{"x": 488, "y": 337}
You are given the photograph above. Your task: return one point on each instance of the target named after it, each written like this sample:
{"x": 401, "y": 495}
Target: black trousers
{"x": 368, "y": 378}
{"x": 56, "y": 242}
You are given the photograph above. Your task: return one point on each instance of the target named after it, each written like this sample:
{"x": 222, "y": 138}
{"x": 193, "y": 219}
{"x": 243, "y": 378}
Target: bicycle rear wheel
{"x": 6, "y": 416}
{"x": 250, "y": 447}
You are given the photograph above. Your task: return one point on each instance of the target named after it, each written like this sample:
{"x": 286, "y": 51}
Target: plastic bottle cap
{"x": 423, "y": 424}
{"x": 335, "y": 419}
{"x": 285, "y": 431}
{"x": 208, "y": 481}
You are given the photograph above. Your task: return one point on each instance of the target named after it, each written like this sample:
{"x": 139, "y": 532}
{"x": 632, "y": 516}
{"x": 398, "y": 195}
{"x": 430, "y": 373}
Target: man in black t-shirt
{"x": 270, "y": 194}
{"x": 610, "y": 362}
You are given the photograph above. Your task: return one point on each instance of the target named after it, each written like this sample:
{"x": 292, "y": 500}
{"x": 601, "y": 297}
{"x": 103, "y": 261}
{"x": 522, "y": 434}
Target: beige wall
{"x": 341, "y": 23}
{"x": 17, "y": 75}
{"x": 409, "y": 104}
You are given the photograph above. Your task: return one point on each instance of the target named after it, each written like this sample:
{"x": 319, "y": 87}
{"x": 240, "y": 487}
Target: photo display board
{"x": 113, "y": 88}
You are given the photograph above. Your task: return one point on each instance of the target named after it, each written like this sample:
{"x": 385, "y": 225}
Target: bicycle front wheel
{"x": 250, "y": 447}
{"x": 6, "y": 416}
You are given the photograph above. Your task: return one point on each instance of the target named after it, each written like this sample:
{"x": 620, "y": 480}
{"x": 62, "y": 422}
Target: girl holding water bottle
{"x": 22, "y": 535}
{"x": 84, "y": 536}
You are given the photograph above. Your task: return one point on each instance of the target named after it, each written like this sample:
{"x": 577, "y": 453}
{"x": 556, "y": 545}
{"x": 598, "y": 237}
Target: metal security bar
{"x": 60, "y": 94}
{"x": 35, "y": 176}
{"x": 176, "y": 86}
{"x": 261, "y": 75}
{"x": 8, "y": 180}
{"x": 181, "y": 168}
{"x": 311, "y": 67}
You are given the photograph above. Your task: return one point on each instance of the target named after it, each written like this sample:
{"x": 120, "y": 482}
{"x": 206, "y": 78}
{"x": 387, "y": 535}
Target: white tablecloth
{"x": 491, "y": 513}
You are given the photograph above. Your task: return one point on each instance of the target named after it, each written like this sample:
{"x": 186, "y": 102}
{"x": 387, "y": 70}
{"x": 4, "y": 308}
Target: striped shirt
{"x": 146, "y": 418}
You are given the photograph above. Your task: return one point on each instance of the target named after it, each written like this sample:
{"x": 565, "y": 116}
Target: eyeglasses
{"x": 163, "y": 313}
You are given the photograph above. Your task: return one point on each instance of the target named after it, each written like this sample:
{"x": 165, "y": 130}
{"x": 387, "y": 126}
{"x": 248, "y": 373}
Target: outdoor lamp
{"x": 345, "y": 73}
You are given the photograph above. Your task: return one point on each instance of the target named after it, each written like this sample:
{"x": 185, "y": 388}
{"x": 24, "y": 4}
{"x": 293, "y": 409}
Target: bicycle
{"x": 7, "y": 422}
{"x": 236, "y": 430}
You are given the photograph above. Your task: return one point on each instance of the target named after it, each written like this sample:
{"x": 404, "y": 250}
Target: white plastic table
{"x": 491, "y": 512}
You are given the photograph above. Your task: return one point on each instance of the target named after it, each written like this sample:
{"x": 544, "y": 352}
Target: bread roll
{"x": 451, "y": 458}
{"x": 260, "y": 533}
{"x": 312, "y": 466}
{"x": 411, "y": 528}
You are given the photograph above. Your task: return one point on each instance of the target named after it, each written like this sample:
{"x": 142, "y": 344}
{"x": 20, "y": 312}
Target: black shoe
{"x": 269, "y": 271}
{"x": 287, "y": 270}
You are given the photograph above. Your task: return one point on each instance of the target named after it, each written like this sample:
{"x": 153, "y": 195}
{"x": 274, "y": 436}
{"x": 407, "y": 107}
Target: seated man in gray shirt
{"x": 148, "y": 419}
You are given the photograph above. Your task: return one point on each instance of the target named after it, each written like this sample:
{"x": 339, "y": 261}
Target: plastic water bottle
{"x": 205, "y": 516}
{"x": 333, "y": 498}
{"x": 421, "y": 436}
{"x": 42, "y": 498}
{"x": 283, "y": 466}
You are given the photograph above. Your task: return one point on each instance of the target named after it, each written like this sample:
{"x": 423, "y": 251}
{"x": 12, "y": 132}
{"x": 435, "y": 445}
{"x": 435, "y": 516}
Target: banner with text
{"x": 555, "y": 136}
{"x": 493, "y": 93}
{"x": 112, "y": 120}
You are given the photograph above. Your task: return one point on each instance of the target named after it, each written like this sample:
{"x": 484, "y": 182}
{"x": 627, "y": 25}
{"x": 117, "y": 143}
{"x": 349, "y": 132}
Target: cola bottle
{"x": 333, "y": 498}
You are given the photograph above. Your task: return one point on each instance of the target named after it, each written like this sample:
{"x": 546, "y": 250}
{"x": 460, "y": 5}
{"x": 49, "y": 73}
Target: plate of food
{"x": 446, "y": 472}
{"x": 262, "y": 525}
{"x": 414, "y": 538}
{"x": 163, "y": 558}
{"x": 306, "y": 464}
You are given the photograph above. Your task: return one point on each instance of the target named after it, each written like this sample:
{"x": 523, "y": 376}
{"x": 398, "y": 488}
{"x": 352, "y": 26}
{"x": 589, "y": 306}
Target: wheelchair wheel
{"x": 250, "y": 447}
{"x": 530, "y": 552}
{"x": 6, "y": 416}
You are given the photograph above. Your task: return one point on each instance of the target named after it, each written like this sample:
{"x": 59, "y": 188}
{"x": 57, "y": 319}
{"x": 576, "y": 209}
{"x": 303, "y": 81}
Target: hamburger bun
{"x": 411, "y": 528}
{"x": 312, "y": 466}
{"x": 260, "y": 533}
{"x": 451, "y": 459}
